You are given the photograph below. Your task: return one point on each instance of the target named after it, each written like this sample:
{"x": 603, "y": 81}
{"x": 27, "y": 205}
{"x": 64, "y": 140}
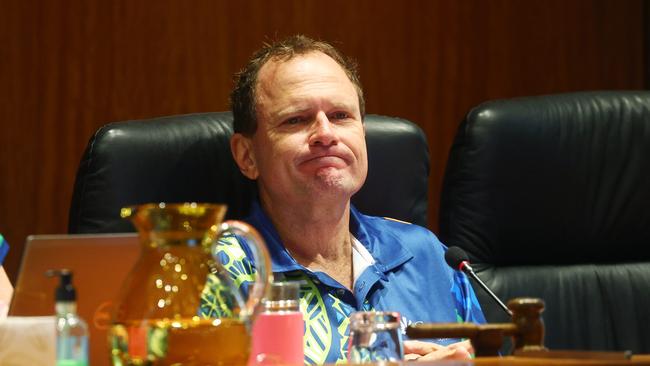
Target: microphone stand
{"x": 465, "y": 267}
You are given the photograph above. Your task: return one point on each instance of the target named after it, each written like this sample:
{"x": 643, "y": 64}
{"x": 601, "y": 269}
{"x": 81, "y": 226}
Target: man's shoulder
{"x": 231, "y": 249}
{"x": 395, "y": 226}
{"x": 420, "y": 241}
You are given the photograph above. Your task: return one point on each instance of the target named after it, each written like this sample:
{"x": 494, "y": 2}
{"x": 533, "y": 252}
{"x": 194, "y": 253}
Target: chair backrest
{"x": 187, "y": 158}
{"x": 550, "y": 196}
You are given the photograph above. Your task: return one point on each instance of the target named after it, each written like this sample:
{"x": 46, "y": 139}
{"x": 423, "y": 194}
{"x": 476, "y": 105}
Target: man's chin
{"x": 330, "y": 178}
{"x": 338, "y": 186}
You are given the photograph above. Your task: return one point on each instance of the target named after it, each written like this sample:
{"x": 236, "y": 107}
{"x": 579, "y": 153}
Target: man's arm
{"x": 6, "y": 289}
{"x": 467, "y": 305}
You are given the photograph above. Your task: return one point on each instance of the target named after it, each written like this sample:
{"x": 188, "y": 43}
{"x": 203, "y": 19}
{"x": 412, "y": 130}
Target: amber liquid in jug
{"x": 230, "y": 339}
{"x": 165, "y": 316}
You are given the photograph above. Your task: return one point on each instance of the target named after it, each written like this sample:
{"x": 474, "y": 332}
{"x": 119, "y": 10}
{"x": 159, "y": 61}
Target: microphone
{"x": 457, "y": 259}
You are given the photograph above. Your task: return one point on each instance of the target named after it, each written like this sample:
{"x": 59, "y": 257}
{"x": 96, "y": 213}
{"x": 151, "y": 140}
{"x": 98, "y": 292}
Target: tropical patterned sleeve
{"x": 468, "y": 308}
{"x": 4, "y": 249}
{"x": 221, "y": 293}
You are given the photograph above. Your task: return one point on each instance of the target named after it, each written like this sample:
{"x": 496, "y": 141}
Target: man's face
{"x": 310, "y": 139}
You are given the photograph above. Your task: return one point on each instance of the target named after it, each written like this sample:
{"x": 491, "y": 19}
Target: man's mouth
{"x": 325, "y": 160}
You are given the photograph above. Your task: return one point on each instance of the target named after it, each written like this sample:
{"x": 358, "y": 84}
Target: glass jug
{"x": 157, "y": 318}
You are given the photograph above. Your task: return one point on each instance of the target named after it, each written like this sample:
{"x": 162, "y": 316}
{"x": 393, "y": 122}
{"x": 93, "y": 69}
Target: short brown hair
{"x": 242, "y": 97}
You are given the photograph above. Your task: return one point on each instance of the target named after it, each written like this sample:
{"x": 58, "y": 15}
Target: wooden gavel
{"x": 526, "y": 329}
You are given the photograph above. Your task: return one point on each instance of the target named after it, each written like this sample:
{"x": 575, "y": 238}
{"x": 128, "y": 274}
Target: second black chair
{"x": 550, "y": 197}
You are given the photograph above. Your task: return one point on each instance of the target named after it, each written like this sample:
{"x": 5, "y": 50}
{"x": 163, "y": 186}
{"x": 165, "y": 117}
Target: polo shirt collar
{"x": 376, "y": 239}
{"x": 282, "y": 261}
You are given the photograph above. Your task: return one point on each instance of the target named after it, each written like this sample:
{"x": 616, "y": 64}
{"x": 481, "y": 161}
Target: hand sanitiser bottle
{"x": 71, "y": 330}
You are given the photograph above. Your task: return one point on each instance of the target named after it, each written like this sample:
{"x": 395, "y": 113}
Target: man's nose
{"x": 323, "y": 132}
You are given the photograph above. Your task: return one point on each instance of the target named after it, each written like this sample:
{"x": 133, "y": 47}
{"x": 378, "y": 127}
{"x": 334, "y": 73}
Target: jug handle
{"x": 261, "y": 258}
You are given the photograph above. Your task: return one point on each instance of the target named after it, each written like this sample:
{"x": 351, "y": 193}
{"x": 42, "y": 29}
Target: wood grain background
{"x": 67, "y": 67}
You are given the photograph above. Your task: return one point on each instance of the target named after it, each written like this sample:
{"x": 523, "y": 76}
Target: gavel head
{"x": 527, "y": 316}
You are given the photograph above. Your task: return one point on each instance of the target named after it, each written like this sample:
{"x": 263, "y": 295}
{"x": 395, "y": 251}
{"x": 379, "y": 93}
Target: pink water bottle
{"x": 279, "y": 329}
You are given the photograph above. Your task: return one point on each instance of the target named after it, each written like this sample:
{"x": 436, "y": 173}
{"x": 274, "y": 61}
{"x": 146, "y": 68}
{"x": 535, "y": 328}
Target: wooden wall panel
{"x": 68, "y": 67}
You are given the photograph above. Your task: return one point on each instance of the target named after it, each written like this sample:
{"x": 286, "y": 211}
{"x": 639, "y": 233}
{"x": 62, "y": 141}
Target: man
{"x": 298, "y": 117}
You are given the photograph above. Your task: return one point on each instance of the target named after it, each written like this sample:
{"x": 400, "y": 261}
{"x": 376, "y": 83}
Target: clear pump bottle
{"x": 71, "y": 330}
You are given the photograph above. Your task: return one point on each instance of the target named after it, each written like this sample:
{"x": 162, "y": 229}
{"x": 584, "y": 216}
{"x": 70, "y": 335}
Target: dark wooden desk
{"x": 526, "y": 361}
{"x": 640, "y": 360}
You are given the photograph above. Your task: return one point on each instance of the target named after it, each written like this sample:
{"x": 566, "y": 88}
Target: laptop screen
{"x": 99, "y": 262}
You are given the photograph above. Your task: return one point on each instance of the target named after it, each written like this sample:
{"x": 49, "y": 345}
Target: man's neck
{"x": 317, "y": 235}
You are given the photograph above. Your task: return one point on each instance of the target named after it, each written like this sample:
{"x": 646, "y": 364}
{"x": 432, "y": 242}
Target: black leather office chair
{"x": 187, "y": 158}
{"x": 550, "y": 196}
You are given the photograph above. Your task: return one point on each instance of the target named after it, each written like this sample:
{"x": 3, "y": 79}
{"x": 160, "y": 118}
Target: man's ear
{"x": 242, "y": 151}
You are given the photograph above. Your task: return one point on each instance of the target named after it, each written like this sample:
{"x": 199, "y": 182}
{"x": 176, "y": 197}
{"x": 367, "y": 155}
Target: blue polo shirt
{"x": 409, "y": 275}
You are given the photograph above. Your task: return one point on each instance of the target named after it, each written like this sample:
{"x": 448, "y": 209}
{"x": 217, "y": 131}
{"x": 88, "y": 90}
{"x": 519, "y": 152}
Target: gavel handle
{"x": 457, "y": 330}
{"x": 486, "y": 339}
{"x": 442, "y": 330}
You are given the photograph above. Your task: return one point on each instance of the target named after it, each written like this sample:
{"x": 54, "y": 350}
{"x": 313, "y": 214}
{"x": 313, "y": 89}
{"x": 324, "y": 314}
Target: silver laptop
{"x": 99, "y": 262}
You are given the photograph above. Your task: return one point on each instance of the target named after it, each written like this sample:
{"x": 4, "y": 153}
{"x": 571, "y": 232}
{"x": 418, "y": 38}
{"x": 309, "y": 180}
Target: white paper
{"x": 27, "y": 340}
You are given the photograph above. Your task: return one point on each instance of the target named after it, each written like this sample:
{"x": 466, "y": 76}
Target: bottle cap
{"x": 65, "y": 291}
{"x": 283, "y": 296}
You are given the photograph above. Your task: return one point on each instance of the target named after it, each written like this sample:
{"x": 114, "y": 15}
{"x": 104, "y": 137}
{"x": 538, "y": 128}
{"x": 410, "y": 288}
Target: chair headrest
{"x": 551, "y": 179}
{"x": 187, "y": 158}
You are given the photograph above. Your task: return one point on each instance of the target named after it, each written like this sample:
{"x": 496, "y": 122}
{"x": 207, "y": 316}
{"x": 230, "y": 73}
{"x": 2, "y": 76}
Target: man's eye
{"x": 293, "y": 120}
{"x": 340, "y": 115}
